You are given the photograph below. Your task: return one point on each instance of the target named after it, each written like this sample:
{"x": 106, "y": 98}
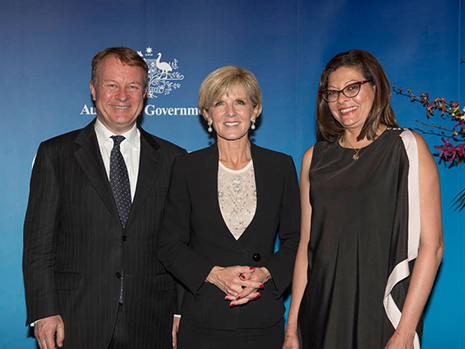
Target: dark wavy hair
{"x": 381, "y": 112}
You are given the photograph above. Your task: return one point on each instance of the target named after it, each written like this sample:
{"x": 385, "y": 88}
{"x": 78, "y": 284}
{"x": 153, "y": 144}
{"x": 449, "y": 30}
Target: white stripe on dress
{"x": 401, "y": 270}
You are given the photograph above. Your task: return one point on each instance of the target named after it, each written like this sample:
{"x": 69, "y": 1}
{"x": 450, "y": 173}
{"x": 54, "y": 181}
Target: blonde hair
{"x": 222, "y": 80}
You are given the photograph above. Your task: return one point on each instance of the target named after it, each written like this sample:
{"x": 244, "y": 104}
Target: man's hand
{"x": 45, "y": 330}
{"x": 174, "y": 332}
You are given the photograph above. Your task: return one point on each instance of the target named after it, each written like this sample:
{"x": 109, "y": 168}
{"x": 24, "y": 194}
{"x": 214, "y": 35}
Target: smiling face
{"x": 350, "y": 112}
{"x": 119, "y": 94}
{"x": 231, "y": 114}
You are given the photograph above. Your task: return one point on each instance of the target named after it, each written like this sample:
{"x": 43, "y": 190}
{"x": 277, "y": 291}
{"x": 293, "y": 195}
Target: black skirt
{"x": 192, "y": 337}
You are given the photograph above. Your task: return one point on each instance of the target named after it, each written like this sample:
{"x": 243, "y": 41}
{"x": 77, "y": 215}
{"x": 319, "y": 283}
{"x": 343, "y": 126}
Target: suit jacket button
{"x": 118, "y": 275}
{"x": 124, "y": 238}
{"x": 256, "y": 257}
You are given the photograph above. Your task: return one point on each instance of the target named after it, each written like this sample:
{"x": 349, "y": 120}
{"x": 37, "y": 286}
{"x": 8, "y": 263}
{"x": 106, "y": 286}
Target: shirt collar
{"x": 104, "y": 134}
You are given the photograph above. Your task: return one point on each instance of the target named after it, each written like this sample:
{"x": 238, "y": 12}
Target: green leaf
{"x": 459, "y": 201}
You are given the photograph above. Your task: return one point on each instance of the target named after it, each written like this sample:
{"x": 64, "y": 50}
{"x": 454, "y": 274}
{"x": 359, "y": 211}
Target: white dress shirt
{"x": 130, "y": 149}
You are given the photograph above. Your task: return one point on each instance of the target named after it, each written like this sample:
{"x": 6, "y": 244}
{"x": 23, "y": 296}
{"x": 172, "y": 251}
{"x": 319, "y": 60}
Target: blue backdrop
{"x": 47, "y": 47}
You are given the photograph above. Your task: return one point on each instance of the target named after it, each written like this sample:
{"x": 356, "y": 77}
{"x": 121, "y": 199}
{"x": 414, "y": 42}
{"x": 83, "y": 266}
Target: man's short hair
{"x": 125, "y": 55}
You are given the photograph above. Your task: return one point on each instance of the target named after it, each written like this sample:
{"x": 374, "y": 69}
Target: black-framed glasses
{"x": 349, "y": 91}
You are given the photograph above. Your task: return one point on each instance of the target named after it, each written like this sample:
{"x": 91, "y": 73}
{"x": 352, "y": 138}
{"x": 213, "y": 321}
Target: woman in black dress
{"x": 371, "y": 233}
{"x": 226, "y": 204}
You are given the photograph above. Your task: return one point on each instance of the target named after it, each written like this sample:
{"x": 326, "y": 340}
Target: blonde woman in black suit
{"x": 226, "y": 205}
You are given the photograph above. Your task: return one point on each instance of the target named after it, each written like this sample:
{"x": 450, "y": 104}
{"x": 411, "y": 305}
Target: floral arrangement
{"x": 452, "y": 149}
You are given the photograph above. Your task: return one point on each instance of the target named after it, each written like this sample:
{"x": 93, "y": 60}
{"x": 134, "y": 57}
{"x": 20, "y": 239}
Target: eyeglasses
{"x": 349, "y": 91}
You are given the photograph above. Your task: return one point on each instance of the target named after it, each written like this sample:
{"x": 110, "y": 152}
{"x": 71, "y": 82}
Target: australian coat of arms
{"x": 163, "y": 77}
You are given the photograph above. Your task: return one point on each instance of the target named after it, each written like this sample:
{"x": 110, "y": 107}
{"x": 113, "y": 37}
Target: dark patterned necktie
{"x": 119, "y": 181}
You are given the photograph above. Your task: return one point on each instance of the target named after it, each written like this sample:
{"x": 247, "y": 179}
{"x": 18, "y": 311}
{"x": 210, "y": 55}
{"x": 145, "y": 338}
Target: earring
{"x": 253, "y": 125}
{"x": 210, "y": 129}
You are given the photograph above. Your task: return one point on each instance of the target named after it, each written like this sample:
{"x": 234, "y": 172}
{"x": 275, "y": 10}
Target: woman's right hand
{"x": 291, "y": 342}
{"x": 230, "y": 282}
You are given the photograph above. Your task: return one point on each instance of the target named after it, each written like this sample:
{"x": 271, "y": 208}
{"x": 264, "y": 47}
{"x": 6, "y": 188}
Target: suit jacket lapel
{"x": 208, "y": 181}
{"x": 149, "y": 166}
{"x": 89, "y": 159}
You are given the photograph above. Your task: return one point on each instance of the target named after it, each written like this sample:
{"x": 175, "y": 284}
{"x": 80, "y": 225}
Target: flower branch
{"x": 452, "y": 148}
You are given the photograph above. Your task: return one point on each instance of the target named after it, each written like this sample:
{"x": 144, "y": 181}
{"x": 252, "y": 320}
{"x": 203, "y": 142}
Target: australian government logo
{"x": 163, "y": 78}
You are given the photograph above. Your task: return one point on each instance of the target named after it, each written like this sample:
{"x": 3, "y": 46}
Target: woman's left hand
{"x": 399, "y": 342}
{"x": 250, "y": 291}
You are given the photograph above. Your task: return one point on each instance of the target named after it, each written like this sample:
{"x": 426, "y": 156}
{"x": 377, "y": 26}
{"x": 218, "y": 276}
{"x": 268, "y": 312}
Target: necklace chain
{"x": 355, "y": 156}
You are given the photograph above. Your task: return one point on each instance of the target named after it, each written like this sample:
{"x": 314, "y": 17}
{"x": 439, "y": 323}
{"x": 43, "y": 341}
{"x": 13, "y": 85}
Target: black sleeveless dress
{"x": 364, "y": 239}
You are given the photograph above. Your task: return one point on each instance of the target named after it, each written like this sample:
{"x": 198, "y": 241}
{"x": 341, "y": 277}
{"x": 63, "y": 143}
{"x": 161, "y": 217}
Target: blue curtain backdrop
{"x": 47, "y": 47}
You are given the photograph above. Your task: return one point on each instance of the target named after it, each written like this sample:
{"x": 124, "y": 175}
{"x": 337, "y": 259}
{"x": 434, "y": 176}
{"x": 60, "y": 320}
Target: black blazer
{"x": 194, "y": 237}
{"x": 75, "y": 246}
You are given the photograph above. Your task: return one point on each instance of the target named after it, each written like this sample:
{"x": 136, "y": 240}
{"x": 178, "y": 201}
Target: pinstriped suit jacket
{"x": 74, "y": 244}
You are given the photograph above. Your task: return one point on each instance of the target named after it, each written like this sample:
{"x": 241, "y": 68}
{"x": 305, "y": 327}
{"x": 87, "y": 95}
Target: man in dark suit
{"x": 91, "y": 275}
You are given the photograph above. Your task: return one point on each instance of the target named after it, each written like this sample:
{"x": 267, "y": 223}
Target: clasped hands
{"x": 241, "y": 284}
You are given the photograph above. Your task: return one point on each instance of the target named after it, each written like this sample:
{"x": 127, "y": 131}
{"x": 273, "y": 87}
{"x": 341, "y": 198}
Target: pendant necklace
{"x": 355, "y": 156}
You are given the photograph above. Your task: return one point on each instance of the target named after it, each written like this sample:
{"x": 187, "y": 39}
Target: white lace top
{"x": 237, "y": 195}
